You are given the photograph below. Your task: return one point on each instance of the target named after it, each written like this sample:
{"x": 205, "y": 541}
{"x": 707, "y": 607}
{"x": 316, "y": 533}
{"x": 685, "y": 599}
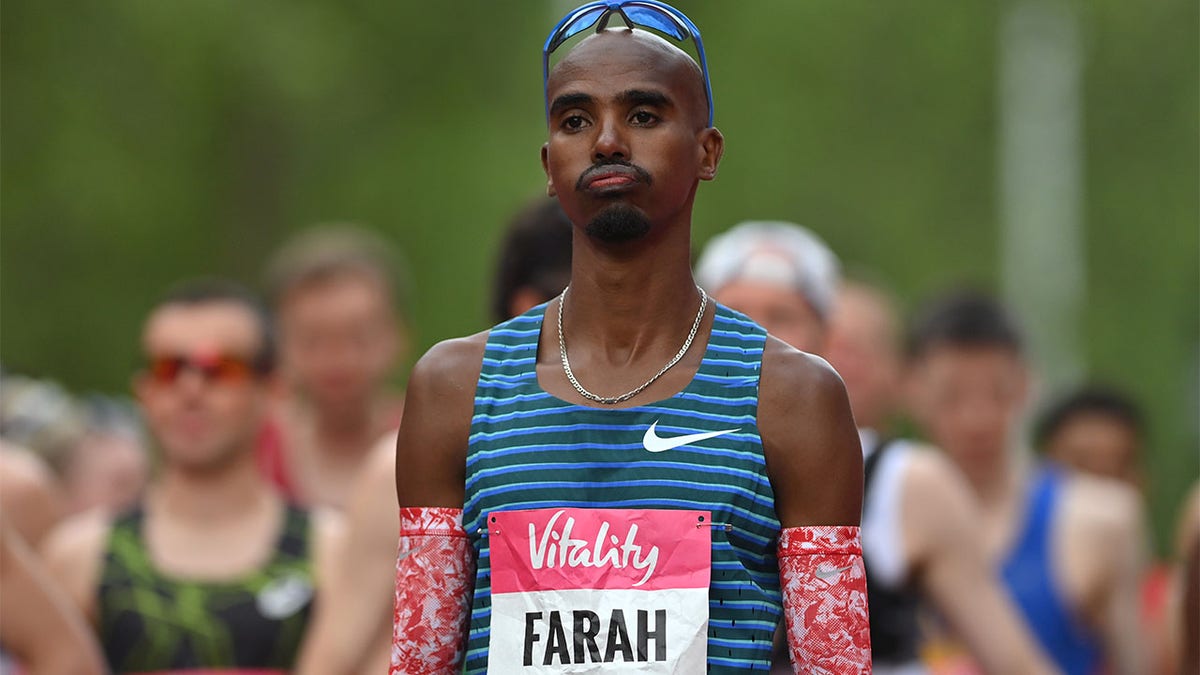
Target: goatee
{"x": 617, "y": 224}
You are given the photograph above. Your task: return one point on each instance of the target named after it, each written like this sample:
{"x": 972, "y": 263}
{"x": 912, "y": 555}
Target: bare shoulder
{"x": 1102, "y": 510}
{"x": 74, "y": 552}
{"x": 796, "y": 378}
{"x": 450, "y": 366}
{"x": 83, "y": 535}
{"x": 930, "y": 473}
{"x": 811, "y": 445}
{"x": 938, "y": 506}
{"x": 29, "y": 493}
{"x": 377, "y": 470}
{"x": 431, "y": 444}
{"x": 329, "y": 537}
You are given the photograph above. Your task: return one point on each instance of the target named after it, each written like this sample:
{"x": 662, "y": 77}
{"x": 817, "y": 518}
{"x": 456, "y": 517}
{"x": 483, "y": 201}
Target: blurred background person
{"x": 336, "y": 293}
{"x": 92, "y": 445}
{"x": 41, "y": 631}
{"x": 866, "y": 348}
{"x": 779, "y": 274}
{"x": 212, "y": 570}
{"x": 919, "y": 520}
{"x": 31, "y": 497}
{"x": 1100, "y": 430}
{"x": 1068, "y": 547}
{"x": 1097, "y": 430}
{"x": 534, "y": 263}
{"x": 109, "y": 466}
{"x": 354, "y": 635}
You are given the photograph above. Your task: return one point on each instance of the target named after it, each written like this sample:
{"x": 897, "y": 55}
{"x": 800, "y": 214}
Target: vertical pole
{"x": 1040, "y": 182}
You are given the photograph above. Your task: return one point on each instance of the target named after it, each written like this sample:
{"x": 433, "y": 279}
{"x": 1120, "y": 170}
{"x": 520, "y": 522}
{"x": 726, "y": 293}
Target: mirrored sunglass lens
{"x": 581, "y": 23}
{"x": 658, "y": 20}
{"x": 166, "y": 368}
{"x": 228, "y": 369}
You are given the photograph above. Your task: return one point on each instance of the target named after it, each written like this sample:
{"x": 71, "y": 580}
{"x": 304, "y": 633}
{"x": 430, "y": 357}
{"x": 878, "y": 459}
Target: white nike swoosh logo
{"x": 654, "y": 443}
{"x": 829, "y": 573}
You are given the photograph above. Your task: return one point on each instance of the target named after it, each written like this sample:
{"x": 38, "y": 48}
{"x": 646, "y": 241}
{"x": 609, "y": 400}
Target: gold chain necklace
{"x": 611, "y": 400}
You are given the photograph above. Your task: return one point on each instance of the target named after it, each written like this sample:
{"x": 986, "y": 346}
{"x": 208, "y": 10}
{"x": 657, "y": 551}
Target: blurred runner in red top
{"x": 335, "y": 291}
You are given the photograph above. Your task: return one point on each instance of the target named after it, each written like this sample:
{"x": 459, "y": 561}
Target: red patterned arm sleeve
{"x": 825, "y": 600}
{"x": 435, "y": 572}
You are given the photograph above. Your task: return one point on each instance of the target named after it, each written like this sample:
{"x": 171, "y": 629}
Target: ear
{"x": 546, "y": 167}
{"x": 712, "y": 148}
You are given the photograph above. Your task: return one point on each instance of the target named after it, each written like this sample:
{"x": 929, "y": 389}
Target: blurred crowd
{"x": 238, "y": 510}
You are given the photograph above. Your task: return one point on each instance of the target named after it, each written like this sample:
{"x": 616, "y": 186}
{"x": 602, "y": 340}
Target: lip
{"x": 611, "y": 179}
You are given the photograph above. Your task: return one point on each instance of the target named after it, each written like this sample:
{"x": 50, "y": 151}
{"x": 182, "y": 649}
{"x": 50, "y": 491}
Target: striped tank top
{"x": 531, "y": 450}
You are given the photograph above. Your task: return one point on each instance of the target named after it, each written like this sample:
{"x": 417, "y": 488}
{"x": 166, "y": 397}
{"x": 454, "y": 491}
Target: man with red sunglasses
{"x": 212, "y": 570}
{"x": 571, "y": 504}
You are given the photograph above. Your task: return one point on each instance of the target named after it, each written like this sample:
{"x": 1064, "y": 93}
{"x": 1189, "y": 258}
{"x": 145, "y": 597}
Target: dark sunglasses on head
{"x": 219, "y": 368}
{"x": 641, "y": 13}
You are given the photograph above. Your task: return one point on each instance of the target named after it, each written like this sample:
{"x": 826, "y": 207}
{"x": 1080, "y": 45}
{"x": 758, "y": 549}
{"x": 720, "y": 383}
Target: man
{"x": 779, "y": 274}
{"x": 1096, "y": 430}
{"x": 335, "y": 291}
{"x": 1068, "y": 547}
{"x": 919, "y": 519}
{"x": 354, "y": 636}
{"x": 566, "y": 495}
{"x": 213, "y": 570}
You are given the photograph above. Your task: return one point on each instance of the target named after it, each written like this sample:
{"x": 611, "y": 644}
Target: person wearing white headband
{"x": 780, "y": 274}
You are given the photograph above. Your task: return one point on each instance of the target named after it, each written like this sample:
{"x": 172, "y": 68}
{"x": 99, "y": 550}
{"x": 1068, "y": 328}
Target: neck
{"x": 212, "y": 495}
{"x": 345, "y": 428}
{"x": 992, "y": 482}
{"x": 630, "y": 300}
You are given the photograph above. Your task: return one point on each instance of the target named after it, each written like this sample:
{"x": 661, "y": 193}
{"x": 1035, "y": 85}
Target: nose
{"x": 610, "y": 141}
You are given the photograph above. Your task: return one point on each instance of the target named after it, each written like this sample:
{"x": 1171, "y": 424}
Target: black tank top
{"x": 895, "y": 636}
{"x": 149, "y": 622}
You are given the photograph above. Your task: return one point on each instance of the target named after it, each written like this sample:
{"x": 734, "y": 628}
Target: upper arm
{"x": 812, "y": 450}
{"x": 29, "y": 494}
{"x": 1119, "y": 532}
{"x": 354, "y": 612}
{"x": 431, "y": 445}
{"x": 941, "y": 520}
{"x": 73, "y": 553}
{"x": 41, "y": 627}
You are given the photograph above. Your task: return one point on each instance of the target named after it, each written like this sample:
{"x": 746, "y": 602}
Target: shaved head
{"x": 629, "y": 52}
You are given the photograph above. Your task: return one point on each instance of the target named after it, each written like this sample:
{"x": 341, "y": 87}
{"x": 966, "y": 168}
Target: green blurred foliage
{"x": 145, "y": 142}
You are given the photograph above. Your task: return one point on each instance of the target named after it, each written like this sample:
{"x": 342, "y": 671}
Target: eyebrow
{"x": 635, "y": 97}
{"x": 569, "y": 101}
{"x": 629, "y": 97}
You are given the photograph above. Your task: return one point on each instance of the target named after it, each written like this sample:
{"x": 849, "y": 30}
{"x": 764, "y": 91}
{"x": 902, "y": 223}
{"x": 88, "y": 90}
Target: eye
{"x": 643, "y": 117}
{"x": 574, "y": 122}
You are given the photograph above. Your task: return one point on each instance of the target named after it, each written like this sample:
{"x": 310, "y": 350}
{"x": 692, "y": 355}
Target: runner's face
{"x": 1097, "y": 444}
{"x": 863, "y": 348}
{"x": 338, "y": 339}
{"x": 627, "y": 127}
{"x": 202, "y": 422}
{"x": 782, "y": 311}
{"x": 969, "y": 401}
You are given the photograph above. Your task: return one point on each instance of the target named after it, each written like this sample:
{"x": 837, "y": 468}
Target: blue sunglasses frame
{"x": 640, "y": 13}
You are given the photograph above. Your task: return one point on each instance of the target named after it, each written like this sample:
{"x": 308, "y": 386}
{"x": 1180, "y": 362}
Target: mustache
{"x": 641, "y": 174}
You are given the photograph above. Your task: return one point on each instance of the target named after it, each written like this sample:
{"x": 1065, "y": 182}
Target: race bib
{"x": 595, "y": 590}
